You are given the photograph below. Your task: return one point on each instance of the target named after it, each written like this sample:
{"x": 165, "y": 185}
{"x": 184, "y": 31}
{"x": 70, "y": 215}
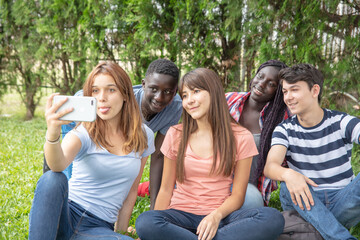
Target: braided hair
{"x": 273, "y": 115}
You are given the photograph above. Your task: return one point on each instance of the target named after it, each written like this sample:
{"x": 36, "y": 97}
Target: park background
{"x": 51, "y": 46}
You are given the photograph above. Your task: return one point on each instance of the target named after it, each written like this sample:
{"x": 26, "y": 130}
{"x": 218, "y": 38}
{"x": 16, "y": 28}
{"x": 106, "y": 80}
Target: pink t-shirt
{"x": 201, "y": 193}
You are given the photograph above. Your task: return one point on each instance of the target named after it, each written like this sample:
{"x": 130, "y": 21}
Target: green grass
{"x": 21, "y": 160}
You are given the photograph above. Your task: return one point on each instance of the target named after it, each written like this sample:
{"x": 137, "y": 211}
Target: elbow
{"x": 266, "y": 170}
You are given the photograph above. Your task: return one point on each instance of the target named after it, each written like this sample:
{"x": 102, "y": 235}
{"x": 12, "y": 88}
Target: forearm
{"x": 276, "y": 172}
{"x": 125, "y": 212}
{"x": 54, "y": 156}
{"x": 230, "y": 205}
{"x": 156, "y": 168}
{"x": 163, "y": 199}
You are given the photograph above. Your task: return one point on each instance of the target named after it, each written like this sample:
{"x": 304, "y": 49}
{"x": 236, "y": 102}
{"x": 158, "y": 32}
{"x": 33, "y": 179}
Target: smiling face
{"x": 299, "y": 98}
{"x": 159, "y": 91}
{"x": 264, "y": 85}
{"x": 108, "y": 96}
{"x": 196, "y": 102}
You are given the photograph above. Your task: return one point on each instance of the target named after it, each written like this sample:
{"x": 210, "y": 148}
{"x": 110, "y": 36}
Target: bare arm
{"x": 156, "y": 168}
{"x": 209, "y": 225}
{"x": 167, "y": 185}
{"x": 296, "y": 183}
{"x": 58, "y": 157}
{"x": 125, "y": 212}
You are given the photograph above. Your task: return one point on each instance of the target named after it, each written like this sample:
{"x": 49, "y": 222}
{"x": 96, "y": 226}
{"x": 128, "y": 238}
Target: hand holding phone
{"x": 84, "y": 108}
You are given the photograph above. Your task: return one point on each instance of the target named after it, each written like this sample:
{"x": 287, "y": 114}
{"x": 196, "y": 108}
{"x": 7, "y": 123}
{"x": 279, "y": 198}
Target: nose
{"x": 101, "y": 96}
{"x": 190, "y": 99}
{"x": 262, "y": 83}
{"x": 159, "y": 96}
{"x": 287, "y": 96}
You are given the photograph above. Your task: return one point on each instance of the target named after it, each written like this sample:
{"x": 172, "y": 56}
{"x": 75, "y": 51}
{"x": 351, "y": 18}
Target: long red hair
{"x": 130, "y": 121}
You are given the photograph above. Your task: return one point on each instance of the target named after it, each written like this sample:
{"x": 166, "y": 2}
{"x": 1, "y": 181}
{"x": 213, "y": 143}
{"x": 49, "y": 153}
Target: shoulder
{"x": 147, "y": 130}
{"x": 235, "y": 96}
{"x": 175, "y": 130}
{"x": 241, "y": 133}
{"x": 174, "y": 109}
{"x": 137, "y": 89}
{"x": 239, "y": 130}
{"x": 176, "y": 102}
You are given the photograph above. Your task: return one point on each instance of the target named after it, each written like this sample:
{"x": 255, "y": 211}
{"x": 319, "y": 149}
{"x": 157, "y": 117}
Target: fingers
{"x": 305, "y": 197}
{"x": 206, "y": 231}
{"x": 311, "y": 182}
{"x": 50, "y": 100}
{"x": 310, "y": 198}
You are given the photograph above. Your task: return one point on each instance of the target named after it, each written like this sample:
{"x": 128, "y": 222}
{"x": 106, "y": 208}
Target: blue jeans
{"x": 253, "y": 198}
{"x": 256, "y": 223}
{"x": 333, "y": 212}
{"x": 53, "y": 216}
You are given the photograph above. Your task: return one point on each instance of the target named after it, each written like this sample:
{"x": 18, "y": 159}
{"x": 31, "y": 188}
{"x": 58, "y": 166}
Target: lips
{"x": 157, "y": 105}
{"x": 257, "y": 91}
{"x": 291, "y": 105}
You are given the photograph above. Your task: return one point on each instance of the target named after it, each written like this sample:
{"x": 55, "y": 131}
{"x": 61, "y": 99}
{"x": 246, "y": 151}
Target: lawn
{"x": 21, "y": 160}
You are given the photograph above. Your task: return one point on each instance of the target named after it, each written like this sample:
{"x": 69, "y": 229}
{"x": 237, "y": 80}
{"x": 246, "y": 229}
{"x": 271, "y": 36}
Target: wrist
{"x": 217, "y": 215}
{"x": 286, "y": 174}
{"x": 51, "y": 139}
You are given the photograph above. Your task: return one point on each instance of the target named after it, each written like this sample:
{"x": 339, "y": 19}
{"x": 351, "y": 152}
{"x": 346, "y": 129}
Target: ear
{"x": 143, "y": 83}
{"x": 315, "y": 90}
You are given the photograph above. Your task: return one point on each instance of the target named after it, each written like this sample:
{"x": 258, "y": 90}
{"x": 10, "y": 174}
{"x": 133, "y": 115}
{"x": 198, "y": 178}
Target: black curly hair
{"x": 163, "y": 66}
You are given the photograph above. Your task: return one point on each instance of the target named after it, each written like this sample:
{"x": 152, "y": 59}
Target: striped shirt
{"x": 323, "y": 152}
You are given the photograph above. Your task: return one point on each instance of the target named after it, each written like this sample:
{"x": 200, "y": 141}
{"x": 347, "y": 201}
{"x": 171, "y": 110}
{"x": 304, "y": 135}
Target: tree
{"x": 19, "y": 44}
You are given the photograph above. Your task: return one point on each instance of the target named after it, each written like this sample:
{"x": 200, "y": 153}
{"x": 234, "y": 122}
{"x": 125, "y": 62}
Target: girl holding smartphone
{"x": 108, "y": 158}
{"x": 203, "y": 156}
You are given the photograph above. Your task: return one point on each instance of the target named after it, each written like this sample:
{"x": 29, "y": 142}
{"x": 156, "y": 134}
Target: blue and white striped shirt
{"x": 322, "y": 152}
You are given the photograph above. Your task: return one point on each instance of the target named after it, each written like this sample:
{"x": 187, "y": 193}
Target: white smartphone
{"x": 84, "y": 108}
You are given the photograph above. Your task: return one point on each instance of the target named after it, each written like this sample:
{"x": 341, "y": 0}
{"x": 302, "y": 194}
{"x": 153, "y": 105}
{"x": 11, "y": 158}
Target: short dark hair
{"x": 303, "y": 72}
{"x": 163, "y": 66}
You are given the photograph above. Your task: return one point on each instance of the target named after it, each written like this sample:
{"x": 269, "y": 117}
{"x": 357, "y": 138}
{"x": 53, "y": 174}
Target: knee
{"x": 253, "y": 198}
{"x": 145, "y": 223}
{"x": 275, "y": 221}
{"x": 52, "y": 180}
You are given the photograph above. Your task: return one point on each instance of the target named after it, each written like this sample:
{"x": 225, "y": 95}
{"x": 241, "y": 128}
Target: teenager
{"x": 203, "y": 156}
{"x": 260, "y": 110}
{"x": 109, "y": 156}
{"x": 160, "y": 108}
{"x": 319, "y": 183}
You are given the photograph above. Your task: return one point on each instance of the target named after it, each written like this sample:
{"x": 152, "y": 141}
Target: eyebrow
{"x": 109, "y": 85}
{"x": 293, "y": 86}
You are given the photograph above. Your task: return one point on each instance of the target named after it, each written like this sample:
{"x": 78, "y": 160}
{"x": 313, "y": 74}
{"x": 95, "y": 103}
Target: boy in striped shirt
{"x": 316, "y": 143}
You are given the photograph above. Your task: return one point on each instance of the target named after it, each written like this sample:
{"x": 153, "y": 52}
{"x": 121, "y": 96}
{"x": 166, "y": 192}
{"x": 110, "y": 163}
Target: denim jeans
{"x": 255, "y": 223}
{"x": 53, "y": 216}
{"x": 333, "y": 212}
{"x": 253, "y": 198}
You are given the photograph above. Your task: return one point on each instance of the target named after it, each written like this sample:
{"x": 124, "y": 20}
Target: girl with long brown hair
{"x": 203, "y": 156}
{"x": 108, "y": 158}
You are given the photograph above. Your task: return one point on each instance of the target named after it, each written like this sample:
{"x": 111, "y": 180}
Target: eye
{"x": 167, "y": 91}
{"x": 196, "y": 91}
{"x": 112, "y": 90}
{"x": 272, "y": 84}
{"x": 94, "y": 91}
{"x": 183, "y": 96}
{"x": 260, "y": 75}
{"x": 153, "y": 90}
